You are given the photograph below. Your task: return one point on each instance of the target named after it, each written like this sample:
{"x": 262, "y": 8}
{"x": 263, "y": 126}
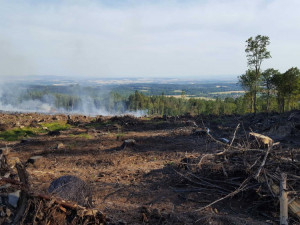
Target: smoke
{"x": 64, "y": 99}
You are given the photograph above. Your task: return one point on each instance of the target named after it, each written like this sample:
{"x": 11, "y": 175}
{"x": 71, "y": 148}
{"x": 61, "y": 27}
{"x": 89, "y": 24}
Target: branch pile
{"x": 35, "y": 208}
{"x": 239, "y": 170}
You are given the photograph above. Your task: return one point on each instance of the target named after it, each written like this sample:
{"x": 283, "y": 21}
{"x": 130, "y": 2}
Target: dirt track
{"x": 136, "y": 185}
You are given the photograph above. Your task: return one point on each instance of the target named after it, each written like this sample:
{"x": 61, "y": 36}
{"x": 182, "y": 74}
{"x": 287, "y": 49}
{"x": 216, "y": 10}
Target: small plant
{"x": 119, "y": 135}
{"x": 171, "y": 163}
{"x": 57, "y": 126}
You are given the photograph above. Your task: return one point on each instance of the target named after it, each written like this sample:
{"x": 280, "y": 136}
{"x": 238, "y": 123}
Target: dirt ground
{"x": 137, "y": 184}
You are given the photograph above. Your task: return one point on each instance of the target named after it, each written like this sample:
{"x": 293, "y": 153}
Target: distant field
{"x": 227, "y": 92}
{"x": 190, "y": 96}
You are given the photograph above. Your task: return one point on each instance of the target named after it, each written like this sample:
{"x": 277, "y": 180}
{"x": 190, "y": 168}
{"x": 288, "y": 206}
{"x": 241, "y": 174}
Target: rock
{"x": 60, "y": 146}
{"x": 72, "y": 188}
{"x": 37, "y": 161}
{"x": 13, "y": 198}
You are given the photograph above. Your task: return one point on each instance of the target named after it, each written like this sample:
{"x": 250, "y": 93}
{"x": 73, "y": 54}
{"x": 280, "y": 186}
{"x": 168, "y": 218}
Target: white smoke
{"x": 12, "y": 100}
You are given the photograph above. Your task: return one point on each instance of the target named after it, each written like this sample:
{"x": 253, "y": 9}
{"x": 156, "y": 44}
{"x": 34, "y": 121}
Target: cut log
{"x": 263, "y": 141}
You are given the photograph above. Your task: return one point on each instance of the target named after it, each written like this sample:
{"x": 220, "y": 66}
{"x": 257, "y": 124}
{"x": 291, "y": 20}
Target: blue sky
{"x": 204, "y": 39}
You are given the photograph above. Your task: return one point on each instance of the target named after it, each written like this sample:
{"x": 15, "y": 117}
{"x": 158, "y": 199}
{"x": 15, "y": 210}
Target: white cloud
{"x": 139, "y": 38}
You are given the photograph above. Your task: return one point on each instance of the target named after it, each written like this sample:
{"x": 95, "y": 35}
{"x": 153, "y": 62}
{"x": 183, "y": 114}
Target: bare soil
{"x": 137, "y": 184}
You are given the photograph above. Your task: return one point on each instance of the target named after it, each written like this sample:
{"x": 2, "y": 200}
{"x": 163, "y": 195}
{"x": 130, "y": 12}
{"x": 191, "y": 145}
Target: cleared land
{"x": 141, "y": 184}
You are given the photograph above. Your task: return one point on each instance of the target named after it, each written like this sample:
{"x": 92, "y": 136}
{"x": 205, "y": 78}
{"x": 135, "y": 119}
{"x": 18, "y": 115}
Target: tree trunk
{"x": 268, "y": 101}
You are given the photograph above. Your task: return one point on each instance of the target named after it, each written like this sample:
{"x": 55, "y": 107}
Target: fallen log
{"x": 263, "y": 141}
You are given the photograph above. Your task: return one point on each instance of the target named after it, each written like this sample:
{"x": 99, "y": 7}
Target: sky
{"x": 139, "y": 38}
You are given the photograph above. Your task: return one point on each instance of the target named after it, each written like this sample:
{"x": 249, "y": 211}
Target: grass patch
{"x": 18, "y": 133}
{"x": 57, "y": 126}
{"x": 83, "y": 135}
{"x": 119, "y": 135}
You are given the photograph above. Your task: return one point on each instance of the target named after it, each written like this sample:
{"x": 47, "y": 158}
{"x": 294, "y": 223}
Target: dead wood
{"x": 36, "y": 208}
{"x": 258, "y": 171}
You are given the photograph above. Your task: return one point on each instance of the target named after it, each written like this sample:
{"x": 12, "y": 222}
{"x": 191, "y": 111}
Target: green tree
{"x": 256, "y": 52}
{"x": 267, "y": 83}
{"x": 291, "y": 85}
{"x": 248, "y": 82}
{"x": 287, "y": 88}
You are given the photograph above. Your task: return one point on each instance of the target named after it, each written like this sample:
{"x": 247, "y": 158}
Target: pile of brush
{"x": 251, "y": 167}
{"x": 20, "y": 205}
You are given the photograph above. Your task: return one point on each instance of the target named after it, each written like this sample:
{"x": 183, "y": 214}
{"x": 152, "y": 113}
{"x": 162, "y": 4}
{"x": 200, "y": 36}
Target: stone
{"x": 72, "y": 188}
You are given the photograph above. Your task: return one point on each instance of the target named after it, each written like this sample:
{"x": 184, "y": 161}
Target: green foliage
{"x": 287, "y": 86}
{"x": 18, "y": 133}
{"x": 57, "y": 126}
{"x": 256, "y": 52}
{"x": 82, "y": 135}
{"x": 256, "y": 49}
{"x": 268, "y": 86}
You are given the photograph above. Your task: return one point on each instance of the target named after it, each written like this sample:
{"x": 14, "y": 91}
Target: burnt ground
{"x": 138, "y": 184}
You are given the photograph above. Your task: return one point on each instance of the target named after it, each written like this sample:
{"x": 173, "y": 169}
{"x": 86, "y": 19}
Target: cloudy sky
{"x": 139, "y": 38}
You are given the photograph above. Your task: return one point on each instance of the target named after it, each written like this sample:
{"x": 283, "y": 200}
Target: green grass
{"x": 83, "y": 135}
{"x": 18, "y": 133}
{"x": 119, "y": 135}
{"x": 57, "y": 126}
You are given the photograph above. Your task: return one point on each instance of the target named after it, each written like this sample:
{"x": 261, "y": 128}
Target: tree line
{"x": 270, "y": 83}
{"x": 165, "y": 105}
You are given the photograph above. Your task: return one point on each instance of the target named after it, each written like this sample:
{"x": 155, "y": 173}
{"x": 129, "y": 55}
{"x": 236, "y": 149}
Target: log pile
{"x": 36, "y": 208}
